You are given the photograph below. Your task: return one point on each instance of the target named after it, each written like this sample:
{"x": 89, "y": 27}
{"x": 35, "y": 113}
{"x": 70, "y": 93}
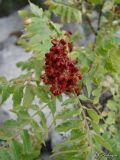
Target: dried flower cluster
{"x": 60, "y": 71}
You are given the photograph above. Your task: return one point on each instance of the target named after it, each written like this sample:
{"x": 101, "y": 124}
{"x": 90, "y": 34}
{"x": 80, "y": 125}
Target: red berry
{"x": 54, "y": 41}
{"x": 62, "y": 41}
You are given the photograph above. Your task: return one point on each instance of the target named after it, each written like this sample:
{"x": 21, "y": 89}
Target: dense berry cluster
{"x": 60, "y": 70}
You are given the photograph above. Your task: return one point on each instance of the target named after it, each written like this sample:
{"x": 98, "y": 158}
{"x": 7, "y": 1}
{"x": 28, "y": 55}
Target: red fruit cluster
{"x": 60, "y": 71}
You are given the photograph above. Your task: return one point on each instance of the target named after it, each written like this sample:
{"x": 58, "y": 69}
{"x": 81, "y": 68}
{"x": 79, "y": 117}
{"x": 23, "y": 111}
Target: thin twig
{"x": 86, "y": 122}
{"x": 89, "y": 21}
{"x": 91, "y": 26}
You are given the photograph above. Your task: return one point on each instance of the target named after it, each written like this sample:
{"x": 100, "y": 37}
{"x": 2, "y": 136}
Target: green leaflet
{"x": 36, "y": 10}
{"x": 27, "y": 145}
{"x": 93, "y": 115}
{"x": 111, "y": 118}
{"x": 70, "y": 101}
{"x": 41, "y": 93}
{"x": 11, "y": 123}
{"x": 43, "y": 122}
{"x": 17, "y": 149}
{"x": 70, "y": 155}
{"x": 67, "y": 12}
{"x": 95, "y": 126}
{"x": 23, "y": 115}
{"x": 40, "y": 27}
{"x": 83, "y": 97}
{"x": 109, "y": 64}
{"x": 101, "y": 140}
{"x": 73, "y": 143}
{"x": 28, "y": 96}
{"x": 38, "y": 131}
{"x": 17, "y": 95}
{"x": 68, "y": 125}
{"x": 77, "y": 133}
{"x": 6, "y": 92}
{"x": 55, "y": 26}
{"x": 68, "y": 113}
{"x": 112, "y": 105}
{"x": 52, "y": 105}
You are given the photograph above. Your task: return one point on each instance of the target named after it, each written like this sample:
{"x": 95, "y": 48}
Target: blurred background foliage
{"x": 9, "y": 6}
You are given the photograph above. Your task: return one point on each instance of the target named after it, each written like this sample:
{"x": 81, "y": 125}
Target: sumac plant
{"x": 70, "y": 75}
